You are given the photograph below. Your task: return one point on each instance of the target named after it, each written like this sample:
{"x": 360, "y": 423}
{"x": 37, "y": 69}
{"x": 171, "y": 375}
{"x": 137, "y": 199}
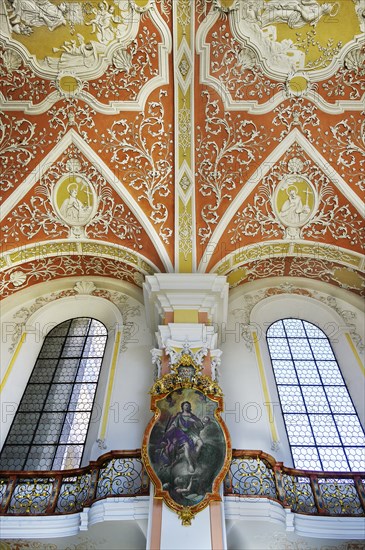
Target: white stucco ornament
{"x": 17, "y": 278}
{"x": 75, "y": 202}
{"x": 295, "y": 201}
{"x": 84, "y": 287}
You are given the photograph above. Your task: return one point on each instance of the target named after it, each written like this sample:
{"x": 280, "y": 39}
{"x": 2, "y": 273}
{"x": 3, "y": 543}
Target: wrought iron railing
{"x": 118, "y": 473}
{"x": 256, "y": 474}
{"x": 252, "y": 474}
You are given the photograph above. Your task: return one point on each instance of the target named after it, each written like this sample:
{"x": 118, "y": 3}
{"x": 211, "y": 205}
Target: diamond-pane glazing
{"x": 307, "y": 372}
{"x": 339, "y": 399}
{"x": 50, "y": 428}
{"x": 333, "y": 459}
{"x": 306, "y": 458}
{"x": 279, "y": 348}
{"x": 291, "y": 399}
{"x": 295, "y": 423}
{"x": 327, "y": 434}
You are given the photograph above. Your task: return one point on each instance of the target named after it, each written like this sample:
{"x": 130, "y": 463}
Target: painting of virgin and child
{"x": 187, "y": 446}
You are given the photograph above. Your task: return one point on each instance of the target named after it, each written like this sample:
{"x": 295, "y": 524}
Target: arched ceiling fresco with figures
{"x": 159, "y": 136}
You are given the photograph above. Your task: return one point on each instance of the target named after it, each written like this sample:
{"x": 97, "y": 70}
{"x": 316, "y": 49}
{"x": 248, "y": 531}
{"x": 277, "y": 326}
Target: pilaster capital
{"x": 167, "y": 294}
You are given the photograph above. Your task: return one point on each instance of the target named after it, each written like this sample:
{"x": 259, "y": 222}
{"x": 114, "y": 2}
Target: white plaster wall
{"x": 246, "y": 414}
{"x": 335, "y": 311}
{"x": 129, "y": 404}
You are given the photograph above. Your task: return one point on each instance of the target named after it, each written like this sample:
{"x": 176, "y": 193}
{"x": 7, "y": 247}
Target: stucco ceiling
{"x": 158, "y": 136}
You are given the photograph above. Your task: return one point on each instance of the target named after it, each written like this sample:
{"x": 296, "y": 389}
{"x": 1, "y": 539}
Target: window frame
{"x": 309, "y": 416}
{"x": 51, "y": 384}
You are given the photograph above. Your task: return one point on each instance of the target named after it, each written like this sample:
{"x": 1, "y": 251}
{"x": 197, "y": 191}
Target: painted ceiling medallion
{"x": 295, "y": 202}
{"x": 75, "y": 202}
{"x": 77, "y": 36}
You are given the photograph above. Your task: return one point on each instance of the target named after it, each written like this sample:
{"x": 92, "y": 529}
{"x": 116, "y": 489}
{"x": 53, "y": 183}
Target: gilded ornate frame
{"x": 160, "y": 390}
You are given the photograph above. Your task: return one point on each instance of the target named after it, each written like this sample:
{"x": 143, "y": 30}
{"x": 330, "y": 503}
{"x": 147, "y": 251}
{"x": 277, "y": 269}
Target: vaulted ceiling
{"x": 159, "y": 136}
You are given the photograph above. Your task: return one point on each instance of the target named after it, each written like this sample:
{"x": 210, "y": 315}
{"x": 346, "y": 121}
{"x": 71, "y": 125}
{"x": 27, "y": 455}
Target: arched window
{"x": 50, "y": 427}
{"x": 323, "y": 428}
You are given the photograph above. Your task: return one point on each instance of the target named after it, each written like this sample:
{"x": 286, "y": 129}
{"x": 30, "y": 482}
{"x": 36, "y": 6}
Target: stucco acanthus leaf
{"x": 349, "y": 79}
{"x": 298, "y": 113}
{"x": 165, "y": 7}
{"x": 17, "y": 79}
{"x": 328, "y": 216}
{"x": 223, "y": 144}
{"x": 143, "y": 150}
{"x": 19, "y": 144}
{"x": 22, "y": 315}
{"x": 346, "y": 143}
{"x": 73, "y": 114}
{"x": 131, "y": 68}
{"x": 46, "y": 269}
{"x": 237, "y": 69}
{"x": 184, "y": 8}
{"x": 39, "y": 214}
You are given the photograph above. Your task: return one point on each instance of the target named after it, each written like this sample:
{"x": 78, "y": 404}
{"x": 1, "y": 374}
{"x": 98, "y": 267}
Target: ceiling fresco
{"x": 143, "y": 136}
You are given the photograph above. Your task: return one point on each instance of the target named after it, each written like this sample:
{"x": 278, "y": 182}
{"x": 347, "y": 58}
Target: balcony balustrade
{"x": 252, "y": 474}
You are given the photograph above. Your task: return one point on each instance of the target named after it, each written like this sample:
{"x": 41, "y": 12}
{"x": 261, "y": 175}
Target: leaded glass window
{"x": 323, "y": 428}
{"x": 50, "y": 427}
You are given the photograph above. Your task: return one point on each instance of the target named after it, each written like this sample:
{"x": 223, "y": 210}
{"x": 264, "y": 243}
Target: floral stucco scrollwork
{"x": 223, "y": 144}
{"x": 330, "y": 217}
{"x": 18, "y": 146}
{"x": 38, "y": 214}
{"x": 143, "y": 151}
